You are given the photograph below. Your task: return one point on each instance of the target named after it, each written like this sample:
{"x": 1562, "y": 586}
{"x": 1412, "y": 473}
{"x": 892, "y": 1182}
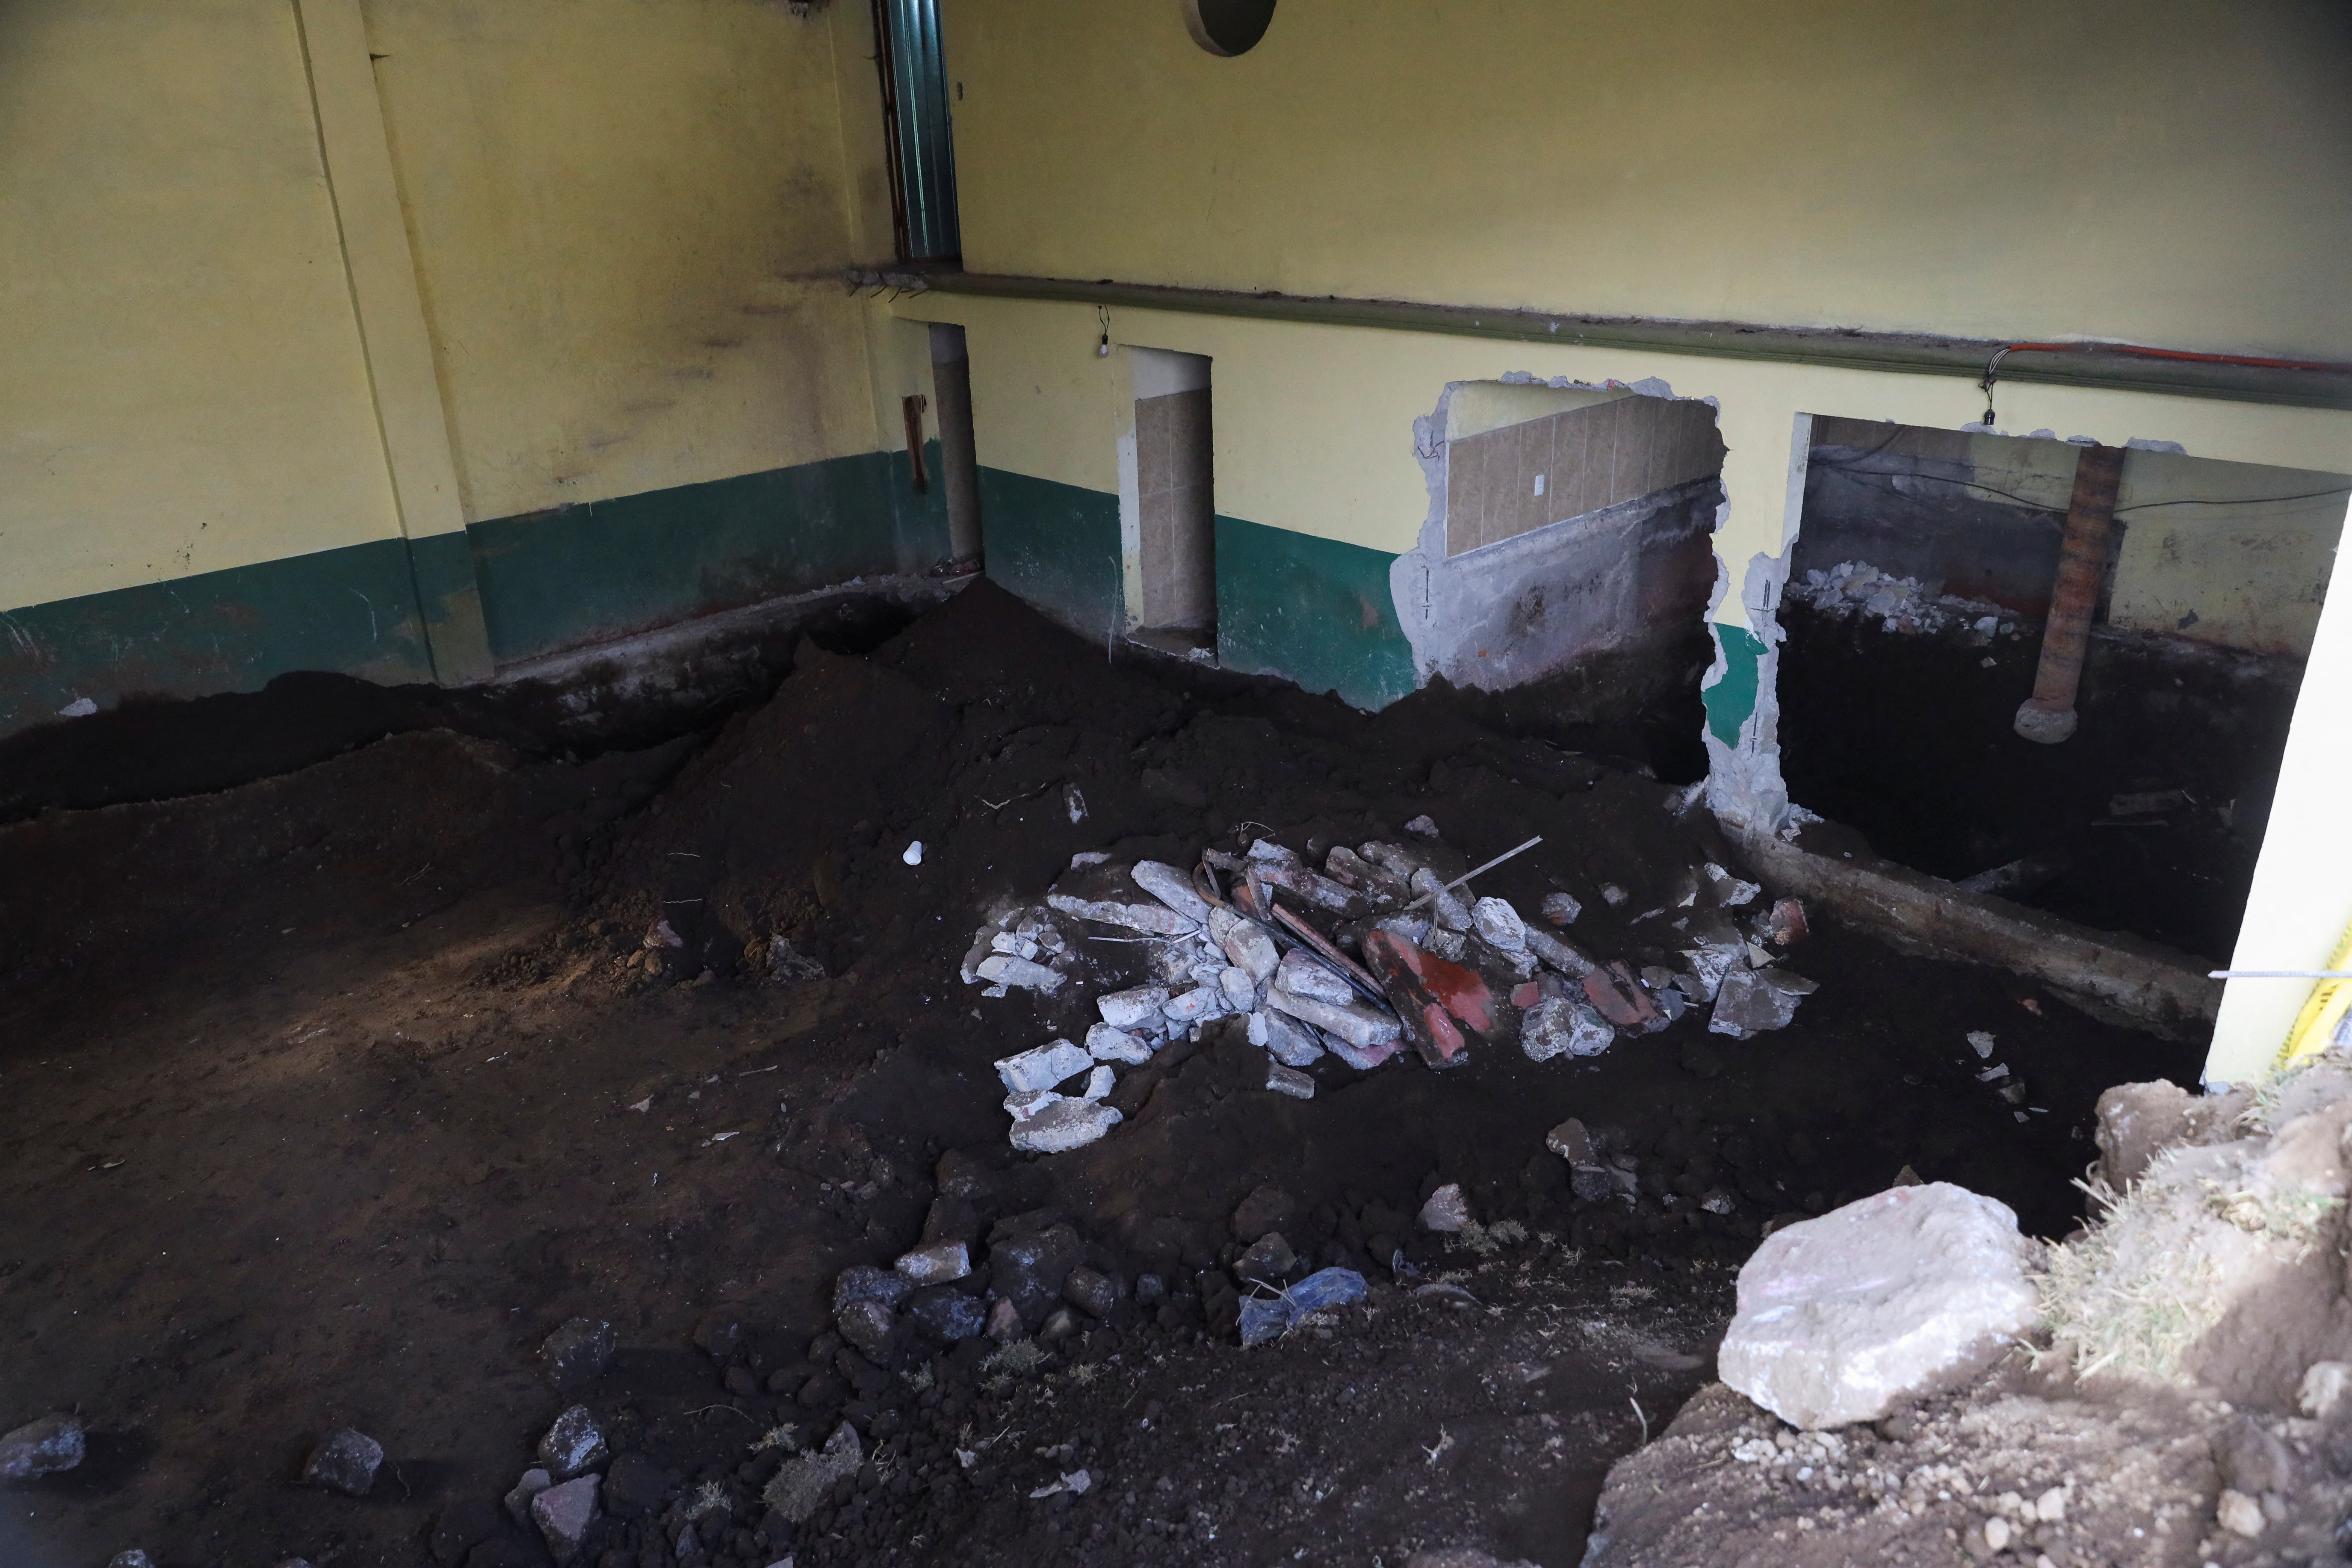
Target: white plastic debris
{"x": 1127, "y": 1009}
{"x": 914, "y": 855}
{"x": 1075, "y": 1482}
{"x": 1500, "y": 924}
{"x": 1561, "y": 909}
{"x": 1290, "y": 1081}
{"x": 1004, "y": 969}
{"x": 1448, "y": 1211}
{"x": 1043, "y": 1066}
{"x": 1076, "y": 803}
{"x": 1106, "y": 1044}
{"x": 1063, "y": 1125}
{"x": 1301, "y": 975}
{"x": 1283, "y": 1038}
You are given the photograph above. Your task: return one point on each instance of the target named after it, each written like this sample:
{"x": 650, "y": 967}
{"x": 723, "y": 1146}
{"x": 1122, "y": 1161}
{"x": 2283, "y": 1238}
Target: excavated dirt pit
{"x": 332, "y": 1095}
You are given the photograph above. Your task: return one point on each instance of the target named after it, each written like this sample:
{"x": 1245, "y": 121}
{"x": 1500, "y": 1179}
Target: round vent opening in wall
{"x": 1228, "y": 26}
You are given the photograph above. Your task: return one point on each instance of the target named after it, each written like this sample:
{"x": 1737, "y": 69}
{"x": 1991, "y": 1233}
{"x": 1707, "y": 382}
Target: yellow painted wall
{"x": 631, "y": 221}
{"x": 183, "y": 389}
{"x": 2165, "y": 171}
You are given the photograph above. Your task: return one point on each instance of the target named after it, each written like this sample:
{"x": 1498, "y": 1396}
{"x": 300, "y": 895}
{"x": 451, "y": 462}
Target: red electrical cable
{"x": 2177, "y": 353}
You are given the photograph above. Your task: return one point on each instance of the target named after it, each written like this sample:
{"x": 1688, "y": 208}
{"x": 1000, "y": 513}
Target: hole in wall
{"x": 1919, "y": 589}
{"x": 1228, "y": 26}
{"x": 1176, "y": 509}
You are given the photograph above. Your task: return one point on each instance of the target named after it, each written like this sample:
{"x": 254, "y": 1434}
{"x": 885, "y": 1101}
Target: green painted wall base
{"x": 449, "y": 607}
{"x": 1055, "y": 545}
{"x": 1314, "y": 611}
{"x": 1732, "y": 698}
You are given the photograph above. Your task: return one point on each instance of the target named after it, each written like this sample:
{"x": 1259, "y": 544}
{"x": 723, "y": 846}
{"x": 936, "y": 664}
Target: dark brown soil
{"x": 320, "y": 1103}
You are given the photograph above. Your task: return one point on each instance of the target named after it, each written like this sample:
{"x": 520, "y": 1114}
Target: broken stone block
{"x": 939, "y": 1264}
{"x": 1151, "y": 919}
{"x": 1499, "y": 925}
{"x": 1281, "y": 868}
{"x": 1363, "y": 1058}
{"x": 1290, "y": 1081}
{"x": 1095, "y": 1293}
{"x": 579, "y": 1349}
{"x": 1446, "y": 1211}
{"x": 1043, "y": 1066}
{"x": 788, "y": 965}
{"x": 949, "y": 1316}
{"x": 344, "y": 1461}
{"x": 863, "y": 1282}
{"x": 1172, "y": 887}
{"x": 1017, "y": 945}
{"x": 1413, "y": 929}
{"x": 1752, "y": 1001}
{"x": 1561, "y": 909}
{"x": 1555, "y": 1027}
{"x": 533, "y": 1483}
{"x": 1108, "y": 1044}
{"x": 1267, "y": 1261}
{"x": 868, "y": 1325}
{"x": 1241, "y": 991}
{"x": 1063, "y": 1125}
{"x": 1449, "y": 945}
{"x": 1302, "y": 975}
{"x": 1028, "y": 1270}
{"x": 1130, "y": 1009}
{"x": 52, "y": 1444}
{"x": 1383, "y": 886}
{"x": 1100, "y": 1083}
{"x": 1357, "y": 1023}
{"x": 563, "y": 1514}
{"x": 1906, "y": 1293}
{"x": 801, "y": 1485}
{"x": 1197, "y": 1004}
{"x": 1283, "y": 1038}
{"x": 1021, "y": 1107}
{"x": 1005, "y": 969}
{"x": 1246, "y": 943}
{"x": 1445, "y": 909}
{"x": 573, "y": 1443}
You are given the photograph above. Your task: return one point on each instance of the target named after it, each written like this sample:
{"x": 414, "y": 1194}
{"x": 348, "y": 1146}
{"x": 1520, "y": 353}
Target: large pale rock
{"x": 1843, "y": 1318}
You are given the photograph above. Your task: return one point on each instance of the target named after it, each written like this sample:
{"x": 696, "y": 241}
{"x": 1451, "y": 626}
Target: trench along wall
{"x": 622, "y": 230}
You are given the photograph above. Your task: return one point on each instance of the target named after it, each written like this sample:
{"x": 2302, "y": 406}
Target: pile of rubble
{"x": 1902, "y": 605}
{"x": 1370, "y": 954}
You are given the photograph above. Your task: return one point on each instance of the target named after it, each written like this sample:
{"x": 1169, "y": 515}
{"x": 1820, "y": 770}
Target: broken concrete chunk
{"x": 1499, "y": 925}
{"x": 1301, "y": 975}
{"x": 1281, "y": 868}
{"x": 1106, "y": 1044}
{"x": 1443, "y": 908}
{"x": 573, "y": 1443}
{"x": 1021, "y": 1107}
{"x": 1018, "y": 946}
{"x": 863, "y": 1282}
{"x": 1241, "y": 991}
{"x": 1730, "y": 892}
{"x": 1003, "y": 969}
{"x": 1396, "y": 859}
{"x": 1565, "y": 957}
{"x": 1752, "y": 1001}
{"x": 1100, "y": 1083}
{"x": 579, "y": 1349}
{"x": 1357, "y": 1023}
{"x": 1363, "y": 1058}
{"x": 1556, "y": 1027}
{"x": 1246, "y": 943}
{"x": 1385, "y": 888}
{"x": 2324, "y": 1383}
{"x": 1063, "y": 1125}
{"x": 1446, "y": 1210}
{"x": 1561, "y": 909}
{"x": 940, "y": 1263}
{"x": 1128, "y": 1009}
{"x": 1906, "y": 1293}
{"x": 53, "y": 1444}
{"x": 1288, "y": 1080}
{"x": 1202, "y": 1002}
{"x": 1172, "y": 887}
{"x": 796, "y": 1491}
{"x": 1151, "y": 919}
{"x": 1283, "y": 1038}
{"x": 1424, "y": 825}
{"x": 344, "y": 1461}
{"x": 1043, "y": 1066}
{"x": 1449, "y": 945}
{"x": 1414, "y": 929}
{"x": 563, "y": 1514}
{"x": 518, "y": 1499}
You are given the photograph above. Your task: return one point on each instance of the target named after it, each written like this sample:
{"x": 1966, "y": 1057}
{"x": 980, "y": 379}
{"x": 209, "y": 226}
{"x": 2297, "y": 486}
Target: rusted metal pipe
{"x": 2048, "y": 716}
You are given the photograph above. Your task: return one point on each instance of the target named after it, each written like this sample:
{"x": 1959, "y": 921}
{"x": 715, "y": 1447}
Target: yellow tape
{"x": 2315, "y": 1025}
